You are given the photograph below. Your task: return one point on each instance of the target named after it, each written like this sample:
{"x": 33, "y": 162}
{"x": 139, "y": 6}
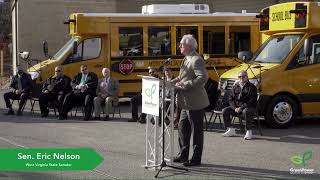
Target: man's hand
{"x": 46, "y": 91}
{"x": 50, "y": 87}
{"x": 238, "y": 110}
{"x": 18, "y": 91}
{"x": 180, "y": 84}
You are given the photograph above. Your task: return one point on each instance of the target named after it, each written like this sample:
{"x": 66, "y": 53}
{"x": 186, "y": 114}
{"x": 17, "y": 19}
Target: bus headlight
{"x": 34, "y": 75}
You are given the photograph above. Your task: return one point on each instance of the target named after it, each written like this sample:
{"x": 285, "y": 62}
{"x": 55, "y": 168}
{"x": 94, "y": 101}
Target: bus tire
{"x": 281, "y": 112}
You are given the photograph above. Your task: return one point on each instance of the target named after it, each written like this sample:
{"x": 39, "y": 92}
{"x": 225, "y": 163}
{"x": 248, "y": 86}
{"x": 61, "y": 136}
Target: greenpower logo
{"x": 302, "y": 160}
{"x": 150, "y": 92}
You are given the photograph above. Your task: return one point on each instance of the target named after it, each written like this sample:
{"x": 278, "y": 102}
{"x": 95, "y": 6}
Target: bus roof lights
{"x": 176, "y": 9}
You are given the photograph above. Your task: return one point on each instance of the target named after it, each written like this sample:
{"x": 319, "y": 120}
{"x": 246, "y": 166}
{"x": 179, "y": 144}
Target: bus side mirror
{"x": 245, "y": 55}
{"x": 74, "y": 47}
{"x": 306, "y": 49}
{"x": 45, "y": 48}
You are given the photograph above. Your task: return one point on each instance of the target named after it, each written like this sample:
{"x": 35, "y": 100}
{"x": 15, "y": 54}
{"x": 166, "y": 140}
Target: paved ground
{"x": 122, "y": 145}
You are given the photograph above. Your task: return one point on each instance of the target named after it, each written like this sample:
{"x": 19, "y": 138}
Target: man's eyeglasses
{"x": 84, "y": 69}
{"x": 243, "y": 76}
{"x": 58, "y": 71}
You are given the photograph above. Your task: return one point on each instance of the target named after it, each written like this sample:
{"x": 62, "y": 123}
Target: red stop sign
{"x": 126, "y": 66}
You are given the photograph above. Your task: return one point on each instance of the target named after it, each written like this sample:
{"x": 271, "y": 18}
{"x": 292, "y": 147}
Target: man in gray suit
{"x": 107, "y": 95}
{"x": 192, "y": 99}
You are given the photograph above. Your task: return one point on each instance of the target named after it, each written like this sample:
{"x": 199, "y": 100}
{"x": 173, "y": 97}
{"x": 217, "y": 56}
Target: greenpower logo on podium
{"x": 47, "y": 159}
{"x": 150, "y": 92}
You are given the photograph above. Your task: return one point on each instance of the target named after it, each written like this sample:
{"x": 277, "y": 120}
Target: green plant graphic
{"x": 149, "y": 92}
{"x": 301, "y": 160}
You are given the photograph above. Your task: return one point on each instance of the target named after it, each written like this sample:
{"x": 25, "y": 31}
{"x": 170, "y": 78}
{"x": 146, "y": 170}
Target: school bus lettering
{"x": 280, "y": 16}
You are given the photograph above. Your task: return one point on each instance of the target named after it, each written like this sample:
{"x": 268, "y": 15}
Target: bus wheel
{"x": 281, "y": 112}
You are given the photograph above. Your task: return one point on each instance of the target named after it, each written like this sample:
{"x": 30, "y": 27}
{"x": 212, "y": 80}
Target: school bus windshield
{"x": 276, "y": 49}
{"x": 67, "y": 47}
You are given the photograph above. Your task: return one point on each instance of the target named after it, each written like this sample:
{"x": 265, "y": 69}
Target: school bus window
{"x": 276, "y": 49}
{"x": 183, "y": 30}
{"x": 131, "y": 41}
{"x": 159, "y": 42}
{"x": 240, "y": 39}
{"x": 315, "y": 45}
{"x": 86, "y": 50}
{"x": 213, "y": 40}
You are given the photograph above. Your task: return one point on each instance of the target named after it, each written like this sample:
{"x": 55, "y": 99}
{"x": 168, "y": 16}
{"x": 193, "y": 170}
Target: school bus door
{"x": 304, "y": 76}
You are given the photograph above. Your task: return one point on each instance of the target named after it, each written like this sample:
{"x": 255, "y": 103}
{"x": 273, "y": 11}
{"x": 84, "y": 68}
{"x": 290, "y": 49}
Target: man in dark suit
{"x": 54, "y": 90}
{"x": 84, "y": 87}
{"x": 20, "y": 87}
{"x": 192, "y": 99}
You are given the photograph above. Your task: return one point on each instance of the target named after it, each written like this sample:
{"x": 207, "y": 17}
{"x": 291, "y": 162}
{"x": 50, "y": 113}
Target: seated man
{"x": 242, "y": 100}
{"x": 20, "y": 87}
{"x": 137, "y": 100}
{"x": 84, "y": 87}
{"x": 54, "y": 90}
{"x": 107, "y": 94}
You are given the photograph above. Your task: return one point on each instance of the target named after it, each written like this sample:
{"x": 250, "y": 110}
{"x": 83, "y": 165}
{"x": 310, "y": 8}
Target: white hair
{"x": 189, "y": 40}
{"x": 106, "y": 69}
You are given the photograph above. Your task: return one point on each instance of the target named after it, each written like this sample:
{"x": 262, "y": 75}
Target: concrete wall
{"x": 41, "y": 20}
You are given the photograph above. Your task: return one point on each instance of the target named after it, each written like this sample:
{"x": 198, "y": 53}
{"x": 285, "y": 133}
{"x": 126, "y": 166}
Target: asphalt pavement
{"x": 122, "y": 144}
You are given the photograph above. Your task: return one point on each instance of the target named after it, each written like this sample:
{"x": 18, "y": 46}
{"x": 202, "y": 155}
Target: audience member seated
{"x": 54, "y": 91}
{"x": 243, "y": 101}
{"x": 107, "y": 95}
{"x": 20, "y": 88}
{"x": 84, "y": 87}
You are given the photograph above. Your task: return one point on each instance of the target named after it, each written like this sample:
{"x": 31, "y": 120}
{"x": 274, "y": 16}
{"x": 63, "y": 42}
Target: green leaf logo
{"x": 301, "y": 160}
{"x": 307, "y": 156}
{"x": 296, "y": 160}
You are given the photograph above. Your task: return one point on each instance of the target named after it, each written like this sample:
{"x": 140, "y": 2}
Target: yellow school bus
{"x": 286, "y": 67}
{"x": 130, "y": 43}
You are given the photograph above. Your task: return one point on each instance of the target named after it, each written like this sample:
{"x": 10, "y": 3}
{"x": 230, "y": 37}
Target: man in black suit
{"x": 54, "y": 90}
{"x": 20, "y": 88}
{"x": 84, "y": 87}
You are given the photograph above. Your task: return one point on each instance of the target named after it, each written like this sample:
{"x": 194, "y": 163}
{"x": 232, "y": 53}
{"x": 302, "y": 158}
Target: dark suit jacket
{"x": 247, "y": 97}
{"x": 91, "y": 82}
{"x": 61, "y": 84}
{"x": 26, "y": 83}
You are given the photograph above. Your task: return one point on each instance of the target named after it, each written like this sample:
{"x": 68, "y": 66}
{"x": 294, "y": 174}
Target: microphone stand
{"x": 163, "y": 161}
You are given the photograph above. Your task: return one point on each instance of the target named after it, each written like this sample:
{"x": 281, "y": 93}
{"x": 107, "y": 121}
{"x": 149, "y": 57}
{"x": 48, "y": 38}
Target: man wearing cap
{"x": 54, "y": 90}
{"x": 136, "y": 101}
{"x": 20, "y": 87}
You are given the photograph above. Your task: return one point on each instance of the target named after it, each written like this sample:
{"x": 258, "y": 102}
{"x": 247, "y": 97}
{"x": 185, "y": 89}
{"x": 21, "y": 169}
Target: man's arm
{"x": 253, "y": 95}
{"x": 93, "y": 83}
{"x": 12, "y": 87}
{"x": 29, "y": 83}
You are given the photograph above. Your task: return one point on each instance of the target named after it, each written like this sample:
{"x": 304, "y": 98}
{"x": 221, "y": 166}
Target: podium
{"x": 158, "y": 103}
